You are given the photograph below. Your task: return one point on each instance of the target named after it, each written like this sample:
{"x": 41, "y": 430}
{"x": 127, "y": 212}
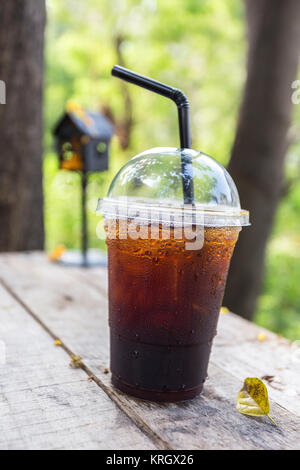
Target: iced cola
{"x": 164, "y": 303}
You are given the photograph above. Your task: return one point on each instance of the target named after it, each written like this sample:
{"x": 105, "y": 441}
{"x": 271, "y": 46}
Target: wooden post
{"x": 84, "y": 233}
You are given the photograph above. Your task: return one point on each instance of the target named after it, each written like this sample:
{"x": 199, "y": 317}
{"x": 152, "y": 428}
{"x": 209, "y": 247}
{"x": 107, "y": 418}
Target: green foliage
{"x": 198, "y": 46}
{"x": 182, "y": 43}
{"x": 279, "y": 304}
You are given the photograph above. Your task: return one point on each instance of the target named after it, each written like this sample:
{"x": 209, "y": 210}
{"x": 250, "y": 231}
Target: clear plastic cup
{"x": 168, "y": 265}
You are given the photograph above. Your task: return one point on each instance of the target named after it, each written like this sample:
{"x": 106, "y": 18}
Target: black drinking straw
{"x": 183, "y": 116}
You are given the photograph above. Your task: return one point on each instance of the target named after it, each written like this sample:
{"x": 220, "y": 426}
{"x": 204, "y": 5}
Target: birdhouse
{"x": 82, "y": 139}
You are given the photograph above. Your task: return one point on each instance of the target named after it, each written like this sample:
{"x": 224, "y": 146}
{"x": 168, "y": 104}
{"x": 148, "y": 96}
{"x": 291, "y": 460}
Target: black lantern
{"x": 82, "y": 142}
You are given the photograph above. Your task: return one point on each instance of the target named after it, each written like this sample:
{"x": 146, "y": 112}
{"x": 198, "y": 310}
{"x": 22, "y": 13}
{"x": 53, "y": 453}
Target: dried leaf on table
{"x": 57, "y": 253}
{"x": 261, "y": 336}
{"x": 253, "y": 399}
{"x": 224, "y": 310}
{"x": 76, "y": 362}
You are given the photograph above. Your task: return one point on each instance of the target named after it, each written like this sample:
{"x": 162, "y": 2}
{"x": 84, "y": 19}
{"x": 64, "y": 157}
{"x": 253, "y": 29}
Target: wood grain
{"x": 238, "y": 350}
{"x": 44, "y": 404}
{"x": 73, "y": 304}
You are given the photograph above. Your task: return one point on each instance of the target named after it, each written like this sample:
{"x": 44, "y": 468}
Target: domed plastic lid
{"x": 153, "y": 182}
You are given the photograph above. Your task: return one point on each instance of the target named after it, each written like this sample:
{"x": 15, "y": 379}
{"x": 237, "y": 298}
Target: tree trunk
{"x": 22, "y": 24}
{"x": 260, "y": 145}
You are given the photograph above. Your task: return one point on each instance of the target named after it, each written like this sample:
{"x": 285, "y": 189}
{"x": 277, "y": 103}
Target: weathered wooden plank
{"x": 70, "y": 302}
{"x": 44, "y": 404}
{"x": 238, "y": 350}
{"x": 275, "y": 358}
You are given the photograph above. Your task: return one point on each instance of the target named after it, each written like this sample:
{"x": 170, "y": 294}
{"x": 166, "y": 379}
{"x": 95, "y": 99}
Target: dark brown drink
{"x": 164, "y": 303}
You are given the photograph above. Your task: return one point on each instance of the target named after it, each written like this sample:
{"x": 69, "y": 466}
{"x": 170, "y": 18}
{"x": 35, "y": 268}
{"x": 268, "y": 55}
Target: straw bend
{"x": 176, "y": 95}
{"x": 168, "y": 91}
{"x": 182, "y": 103}
{"x": 180, "y": 99}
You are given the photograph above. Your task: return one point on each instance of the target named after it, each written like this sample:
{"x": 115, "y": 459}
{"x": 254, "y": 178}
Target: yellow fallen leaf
{"x": 253, "y": 399}
{"x": 76, "y": 362}
{"x": 224, "y": 310}
{"x": 261, "y": 336}
{"x": 58, "y": 342}
{"x": 57, "y": 253}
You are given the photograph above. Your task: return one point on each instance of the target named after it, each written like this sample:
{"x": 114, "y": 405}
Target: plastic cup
{"x": 168, "y": 265}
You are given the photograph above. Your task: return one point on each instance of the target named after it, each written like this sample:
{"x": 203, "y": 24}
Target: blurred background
{"x": 235, "y": 60}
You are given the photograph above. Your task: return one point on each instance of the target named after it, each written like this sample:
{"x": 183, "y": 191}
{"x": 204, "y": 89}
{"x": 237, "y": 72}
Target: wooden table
{"x": 46, "y": 404}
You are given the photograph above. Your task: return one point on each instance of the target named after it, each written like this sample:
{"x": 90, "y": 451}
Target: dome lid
{"x": 153, "y": 180}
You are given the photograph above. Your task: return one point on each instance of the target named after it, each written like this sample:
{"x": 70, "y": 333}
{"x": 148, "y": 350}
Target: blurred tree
{"x": 21, "y": 67}
{"x": 261, "y": 141}
{"x": 123, "y": 126}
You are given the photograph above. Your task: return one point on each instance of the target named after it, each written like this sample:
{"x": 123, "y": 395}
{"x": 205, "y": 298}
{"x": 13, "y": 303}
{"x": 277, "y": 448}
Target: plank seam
{"x": 114, "y": 396}
{"x": 78, "y": 275}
